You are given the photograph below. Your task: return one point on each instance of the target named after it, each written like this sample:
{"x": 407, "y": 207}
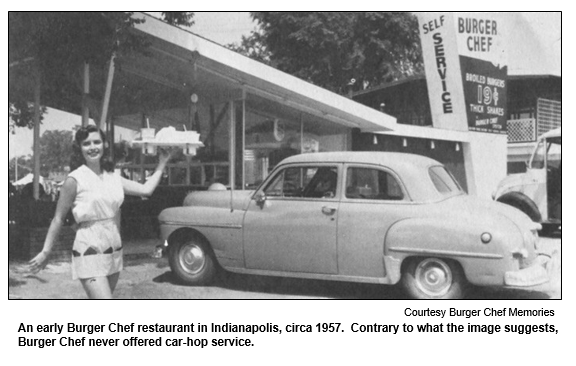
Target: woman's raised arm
{"x": 137, "y": 189}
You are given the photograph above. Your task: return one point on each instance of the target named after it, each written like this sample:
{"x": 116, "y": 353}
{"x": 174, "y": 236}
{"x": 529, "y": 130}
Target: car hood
{"x": 222, "y": 199}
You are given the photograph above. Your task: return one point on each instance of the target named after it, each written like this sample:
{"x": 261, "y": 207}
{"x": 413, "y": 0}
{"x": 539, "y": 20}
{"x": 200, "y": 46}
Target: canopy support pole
{"x": 36, "y": 143}
{"x": 232, "y": 156}
{"x": 243, "y": 138}
{"x": 86, "y": 94}
{"x": 108, "y": 91}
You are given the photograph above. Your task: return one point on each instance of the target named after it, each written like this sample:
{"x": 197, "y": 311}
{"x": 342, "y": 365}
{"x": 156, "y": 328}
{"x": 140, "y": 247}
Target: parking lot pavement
{"x": 140, "y": 249}
{"x": 55, "y": 281}
{"x": 553, "y": 246}
{"x": 147, "y": 278}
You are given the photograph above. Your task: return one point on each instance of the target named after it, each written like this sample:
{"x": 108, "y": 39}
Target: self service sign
{"x": 466, "y": 69}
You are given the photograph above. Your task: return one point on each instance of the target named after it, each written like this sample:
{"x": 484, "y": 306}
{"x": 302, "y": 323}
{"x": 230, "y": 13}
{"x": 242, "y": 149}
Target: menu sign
{"x": 466, "y": 70}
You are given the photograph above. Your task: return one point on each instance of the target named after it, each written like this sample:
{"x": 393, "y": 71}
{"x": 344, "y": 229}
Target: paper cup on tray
{"x": 148, "y": 149}
{"x": 148, "y": 133}
{"x": 190, "y": 137}
{"x": 190, "y": 150}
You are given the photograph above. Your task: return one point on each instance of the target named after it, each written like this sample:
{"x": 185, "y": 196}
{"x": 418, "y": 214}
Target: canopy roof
{"x": 178, "y": 63}
{"x": 183, "y": 59}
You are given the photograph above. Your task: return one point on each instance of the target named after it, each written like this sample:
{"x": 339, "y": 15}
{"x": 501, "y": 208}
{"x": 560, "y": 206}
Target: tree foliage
{"x": 254, "y": 47}
{"x": 340, "y": 51}
{"x": 21, "y": 114}
{"x": 184, "y": 18}
{"x": 55, "y": 150}
{"x": 55, "y": 153}
{"x": 55, "y": 45}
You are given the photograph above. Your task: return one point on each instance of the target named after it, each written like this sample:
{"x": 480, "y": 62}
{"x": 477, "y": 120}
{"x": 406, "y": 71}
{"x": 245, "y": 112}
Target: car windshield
{"x": 548, "y": 152}
{"x": 538, "y": 160}
{"x": 443, "y": 180}
{"x": 554, "y": 158}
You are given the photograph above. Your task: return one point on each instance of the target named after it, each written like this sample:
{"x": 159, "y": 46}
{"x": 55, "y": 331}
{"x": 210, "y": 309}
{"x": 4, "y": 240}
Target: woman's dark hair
{"x": 78, "y": 160}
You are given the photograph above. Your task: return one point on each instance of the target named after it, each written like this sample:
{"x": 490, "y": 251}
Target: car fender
{"x": 453, "y": 239}
{"x": 523, "y": 203}
{"x": 221, "y": 227}
{"x": 526, "y": 183}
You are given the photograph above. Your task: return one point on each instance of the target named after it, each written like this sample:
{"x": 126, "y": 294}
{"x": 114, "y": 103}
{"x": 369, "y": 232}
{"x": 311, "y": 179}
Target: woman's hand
{"x": 38, "y": 263}
{"x": 145, "y": 190}
{"x": 164, "y": 157}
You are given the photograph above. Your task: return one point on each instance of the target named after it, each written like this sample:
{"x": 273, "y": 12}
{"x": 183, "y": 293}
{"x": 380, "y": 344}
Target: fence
{"x": 548, "y": 117}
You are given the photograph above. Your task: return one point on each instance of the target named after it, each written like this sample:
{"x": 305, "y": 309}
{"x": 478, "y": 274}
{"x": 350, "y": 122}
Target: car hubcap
{"x": 433, "y": 277}
{"x": 192, "y": 258}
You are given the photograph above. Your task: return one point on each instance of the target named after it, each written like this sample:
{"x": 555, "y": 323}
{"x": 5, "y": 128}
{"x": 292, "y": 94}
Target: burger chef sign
{"x": 466, "y": 69}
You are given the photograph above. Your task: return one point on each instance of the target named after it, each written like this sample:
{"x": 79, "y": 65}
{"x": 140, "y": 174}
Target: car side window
{"x": 443, "y": 180}
{"x": 285, "y": 184}
{"x": 322, "y": 184}
{"x": 373, "y": 184}
{"x": 306, "y": 182}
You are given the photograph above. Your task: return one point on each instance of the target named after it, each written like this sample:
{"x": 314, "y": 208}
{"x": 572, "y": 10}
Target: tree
{"x": 185, "y": 18}
{"x": 55, "y": 150}
{"x": 55, "y": 153}
{"x": 253, "y": 47}
{"x": 340, "y": 51}
{"x": 54, "y": 46}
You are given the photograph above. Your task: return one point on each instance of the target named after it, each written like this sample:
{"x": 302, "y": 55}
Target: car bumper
{"x": 538, "y": 273}
{"x": 160, "y": 251}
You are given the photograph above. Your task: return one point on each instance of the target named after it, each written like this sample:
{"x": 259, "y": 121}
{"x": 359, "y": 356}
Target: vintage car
{"x": 369, "y": 217}
{"x": 538, "y": 191}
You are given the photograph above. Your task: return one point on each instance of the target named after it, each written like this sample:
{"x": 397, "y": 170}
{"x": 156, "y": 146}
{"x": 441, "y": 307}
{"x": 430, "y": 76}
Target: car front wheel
{"x": 433, "y": 278}
{"x": 192, "y": 262}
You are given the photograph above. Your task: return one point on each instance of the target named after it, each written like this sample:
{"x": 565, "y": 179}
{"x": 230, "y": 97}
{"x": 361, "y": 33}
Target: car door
{"x": 290, "y": 225}
{"x": 554, "y": 178}
{"x": 374, "y": 198}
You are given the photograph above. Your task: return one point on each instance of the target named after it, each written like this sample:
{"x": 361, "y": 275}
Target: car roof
{"x": 393, "y": 160}
{"x": 552, "y": 133}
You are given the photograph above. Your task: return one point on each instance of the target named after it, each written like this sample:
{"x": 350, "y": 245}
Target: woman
{"x": 94, "y": 193}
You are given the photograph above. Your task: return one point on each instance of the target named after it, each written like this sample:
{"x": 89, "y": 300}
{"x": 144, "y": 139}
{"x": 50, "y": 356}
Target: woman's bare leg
{"x": 113, "y": 280}
{"x": 97, "y": 287}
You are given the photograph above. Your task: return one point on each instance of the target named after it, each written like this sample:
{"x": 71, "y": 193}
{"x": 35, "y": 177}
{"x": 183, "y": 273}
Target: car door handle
{"x": 328, "y": 210}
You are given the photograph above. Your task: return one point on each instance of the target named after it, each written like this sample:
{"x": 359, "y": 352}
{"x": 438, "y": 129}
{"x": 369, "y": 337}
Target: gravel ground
{"x": 147, "y": 278}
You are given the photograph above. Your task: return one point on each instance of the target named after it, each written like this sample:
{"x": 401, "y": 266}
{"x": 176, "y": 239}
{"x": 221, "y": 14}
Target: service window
{"x": 373, "y": 184}
{"x": 305, "y": 182}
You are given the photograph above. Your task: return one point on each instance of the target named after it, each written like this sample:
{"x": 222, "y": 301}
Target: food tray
{"x": 167, "y": 143}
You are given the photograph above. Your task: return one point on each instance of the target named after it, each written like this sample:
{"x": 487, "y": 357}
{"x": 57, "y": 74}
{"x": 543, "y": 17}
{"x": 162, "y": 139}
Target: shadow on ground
{"x": 18, "y": 277}
{"x": 296, "y": 287}
{"x": 488, "y": 293}
{"x": 13, "y": 282}
{"x": 340, "y": 290}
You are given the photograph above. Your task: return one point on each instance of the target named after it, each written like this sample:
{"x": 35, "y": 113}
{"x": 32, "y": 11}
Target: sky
{"x": 223, "y": 27}
{"x": 229, "y": 27}
{"x": 543, "y": 54}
